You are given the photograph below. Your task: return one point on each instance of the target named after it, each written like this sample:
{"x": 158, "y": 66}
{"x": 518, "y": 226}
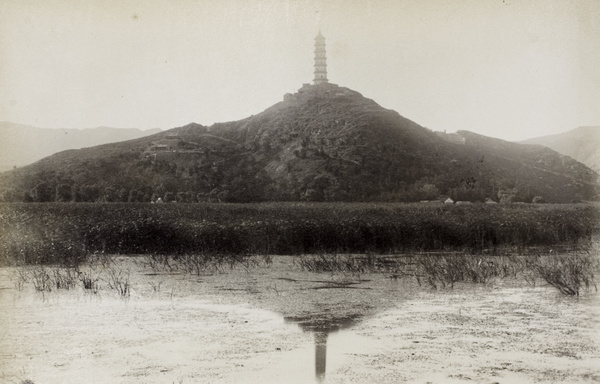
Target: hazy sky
{"x": 511, "y": 69}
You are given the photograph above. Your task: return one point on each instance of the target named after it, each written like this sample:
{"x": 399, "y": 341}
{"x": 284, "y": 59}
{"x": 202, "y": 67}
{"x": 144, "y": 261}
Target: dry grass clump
{"x": 118, "y": 279}
{"x": 569, "y": 273}
{"x": 438, "y": 269}
{"x": 45, "y": 279}
{"x": 203, "y": 263}
{"x": 160, "y": 262}
{"x": 441, "y": 270}
{"x": 41, "y": 280}
{"x": 353, "y": 265}
{"x": 22, "y": 278}
{"x": 96, "y": 270}
{"x": 64, "y": 278}
{"x": 447, "y": 269}
{"x": 89, "y": 279}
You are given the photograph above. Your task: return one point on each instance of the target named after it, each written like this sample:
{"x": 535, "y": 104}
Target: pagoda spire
{"x": 320, "y": 60}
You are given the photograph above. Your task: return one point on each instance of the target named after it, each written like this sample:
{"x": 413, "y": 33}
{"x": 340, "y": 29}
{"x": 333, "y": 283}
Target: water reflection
{"x": 321, "y": 354}
{"x": 321, "y": 329}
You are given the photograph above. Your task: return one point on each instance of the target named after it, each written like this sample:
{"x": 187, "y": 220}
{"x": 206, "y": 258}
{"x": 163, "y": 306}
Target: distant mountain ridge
{"x": 322, "y": 143}
{"x": 24, "y": 144}
{"x": 582, "y": 144}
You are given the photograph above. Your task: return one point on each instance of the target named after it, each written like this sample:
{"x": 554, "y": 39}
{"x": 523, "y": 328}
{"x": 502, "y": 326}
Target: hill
{"x": 323, "y": 143}
{"x": 582, "y": 144}
{"x": 25, "y": 144}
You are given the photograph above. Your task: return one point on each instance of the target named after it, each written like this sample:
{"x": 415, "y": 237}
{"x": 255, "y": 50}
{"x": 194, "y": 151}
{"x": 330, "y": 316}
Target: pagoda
{"x": 320, "y": 60}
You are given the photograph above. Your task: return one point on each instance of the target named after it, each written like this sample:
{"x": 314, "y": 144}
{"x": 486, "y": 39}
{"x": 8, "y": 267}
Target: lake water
{"x": 279, "y": 324}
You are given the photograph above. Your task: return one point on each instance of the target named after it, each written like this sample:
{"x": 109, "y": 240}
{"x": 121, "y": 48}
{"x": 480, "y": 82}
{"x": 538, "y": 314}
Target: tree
{"x": 11, "y": 196}
{"x": 183, "y": 197}
{"x": 507, "y": 195}
{"x": 169, "y": 197}
{"x": 42, "y": 192}
{"x": 64, "y": 192}
{"x": 88, "y": 193}
{"x": 122, "y": 195}
{"x": 428, "y": 192}
{"x": 110, "y": 194}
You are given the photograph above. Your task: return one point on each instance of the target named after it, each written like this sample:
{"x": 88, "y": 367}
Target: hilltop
{"x": 323, "y": 143}
{"x": 582, "y": 144}
{"x": 24, "y": 144}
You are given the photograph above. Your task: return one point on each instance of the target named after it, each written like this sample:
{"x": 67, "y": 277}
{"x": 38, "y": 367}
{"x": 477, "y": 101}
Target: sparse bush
{"x": 41, "y": 280}
{"x": 159, "y": 262}
{"x": 442, "y": 270}
{"x": 118, "y": 280}
{"x": 89, "y": 279}
{"x": 198, "y": 263}
{"x": 354, "y": 265}
{"x": 268, "y": 259}
{"x": 64, "y": 278}
{"x": 449, "y": 268}
{"x": 569, "y": 273}
{"x": 21, "y": 279}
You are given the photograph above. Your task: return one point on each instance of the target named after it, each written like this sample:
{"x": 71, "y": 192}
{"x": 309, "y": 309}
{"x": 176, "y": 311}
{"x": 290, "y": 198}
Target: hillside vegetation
{"x": 324, "y": 143}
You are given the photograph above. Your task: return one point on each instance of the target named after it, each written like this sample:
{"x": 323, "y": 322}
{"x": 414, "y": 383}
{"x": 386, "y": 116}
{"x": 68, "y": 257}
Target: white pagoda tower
{"x": 320, "y": 60}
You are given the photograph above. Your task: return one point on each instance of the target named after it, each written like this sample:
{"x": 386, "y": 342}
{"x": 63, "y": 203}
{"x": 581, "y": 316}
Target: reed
{"x": 119, "y": 280}
{"x": 89, "y": 279}
{"x": 64, "y": 278}
{"x": 41, "y": 279}
{"x": 64, "y": 234}
{"x": 569, "y": 273}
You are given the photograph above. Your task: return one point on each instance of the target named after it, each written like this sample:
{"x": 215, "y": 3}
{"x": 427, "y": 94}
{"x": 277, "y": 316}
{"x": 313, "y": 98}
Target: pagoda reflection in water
{"x": 321, "y": 330}
{"x": 321, "y": 354}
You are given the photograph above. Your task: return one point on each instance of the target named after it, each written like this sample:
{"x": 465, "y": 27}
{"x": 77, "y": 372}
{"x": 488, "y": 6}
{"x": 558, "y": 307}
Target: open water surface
{"x": 282, "y": 325}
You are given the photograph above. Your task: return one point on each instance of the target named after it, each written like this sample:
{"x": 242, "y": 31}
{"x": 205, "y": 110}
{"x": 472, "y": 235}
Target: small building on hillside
{"x": 160, "y": 148}
{"x": 451, "y": 137}
{"x": 173, "y": 143}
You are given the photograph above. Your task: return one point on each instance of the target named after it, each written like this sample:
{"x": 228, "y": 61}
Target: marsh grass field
{"x": 299, "y": 293}
{"x": 65, "y": 233}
